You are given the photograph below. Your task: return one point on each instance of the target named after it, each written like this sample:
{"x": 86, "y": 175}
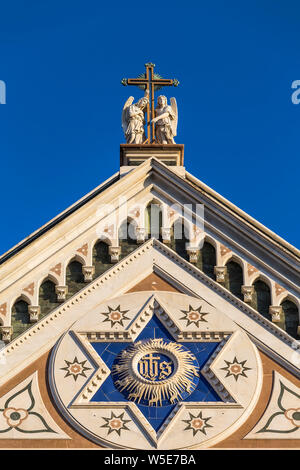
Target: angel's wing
{"x": 175, "y": 120}
{"x": 125, "y": 113}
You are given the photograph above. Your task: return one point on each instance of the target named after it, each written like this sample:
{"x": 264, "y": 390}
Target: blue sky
{"x": 60, "y": 130}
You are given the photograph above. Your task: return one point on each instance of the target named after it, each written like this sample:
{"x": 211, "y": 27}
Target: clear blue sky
{"x": 60, "y": 130}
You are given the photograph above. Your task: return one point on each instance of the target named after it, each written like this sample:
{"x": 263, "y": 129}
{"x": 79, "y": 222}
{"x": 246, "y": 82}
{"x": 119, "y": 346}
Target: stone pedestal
{"x": 133, "y": 155}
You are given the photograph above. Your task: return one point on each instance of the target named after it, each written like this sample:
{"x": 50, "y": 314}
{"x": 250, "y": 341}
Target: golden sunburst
{"x": 155, "y": 370}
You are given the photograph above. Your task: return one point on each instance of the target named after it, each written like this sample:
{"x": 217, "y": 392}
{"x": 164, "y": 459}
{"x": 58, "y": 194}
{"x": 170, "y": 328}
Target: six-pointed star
{"x": 109, "y": 394}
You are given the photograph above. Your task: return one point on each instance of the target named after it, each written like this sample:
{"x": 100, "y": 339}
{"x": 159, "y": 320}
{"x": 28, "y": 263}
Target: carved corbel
{"x": 6, "y": 333}
{"x": 140, "y": 235}
{"x": 61, "y": 292}
{"x": 114, "y": 252}
{"x": 166, "y": 235}
{"x": 220, "y": 272}
{"x": 276, "y": 312}
{"x": 193, "y": 254}
{"x": 88, "y": 273}
{"x": 34, "y": 312}
{"x": 247, "y": 291}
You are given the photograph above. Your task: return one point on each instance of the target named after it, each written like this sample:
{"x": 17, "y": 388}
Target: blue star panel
{"x": 156, "y": 415}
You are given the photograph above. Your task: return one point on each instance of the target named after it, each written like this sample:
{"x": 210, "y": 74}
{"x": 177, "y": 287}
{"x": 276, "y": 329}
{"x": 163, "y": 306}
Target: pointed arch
{"x": 180, "y": 237}
{"x": 290, "y": 317}
{"x": 47, "y": 296}
{"x": 127, "y": 237}
{"x": 261, "y": 298}
{"x": 101, "y": 257}
{"x": 20, "y": 319}
{"x": 74, "y": 277}
{"x": 207, "y": 259}
{"x": 234, "y": 278}
{"x": 153, "y": 220}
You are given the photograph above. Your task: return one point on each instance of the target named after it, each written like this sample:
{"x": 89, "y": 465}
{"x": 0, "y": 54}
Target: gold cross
{"x": 150, "y": 82}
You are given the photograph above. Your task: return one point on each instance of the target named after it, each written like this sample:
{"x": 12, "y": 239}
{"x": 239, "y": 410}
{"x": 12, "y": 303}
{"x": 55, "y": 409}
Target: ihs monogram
{"x": 115, "y": 316}
{"x": 75, "y": 368}
{"x": 116, "y": 423}
{"x": 235, "y": 368}
{"x": 193, "y": 315}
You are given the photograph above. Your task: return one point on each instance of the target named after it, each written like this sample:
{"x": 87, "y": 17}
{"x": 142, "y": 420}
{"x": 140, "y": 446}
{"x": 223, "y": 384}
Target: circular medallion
{"x": 156, "y": 372}
{"x": 178, "y": 375}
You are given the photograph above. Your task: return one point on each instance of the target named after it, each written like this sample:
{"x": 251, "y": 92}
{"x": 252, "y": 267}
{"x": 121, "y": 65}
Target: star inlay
{"x": 116, "y": 423}
{"x": 75, "y": 368}
{"x": 235, "y": 368}
{"x": 193, "y": 315}
{"x": 115, "y": 316}
{"x": 197, "y": 423}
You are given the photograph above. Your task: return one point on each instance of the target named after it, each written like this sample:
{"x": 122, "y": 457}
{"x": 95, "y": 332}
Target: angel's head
{"x": 162, "y": 101}
{"x": 142, "y": 103}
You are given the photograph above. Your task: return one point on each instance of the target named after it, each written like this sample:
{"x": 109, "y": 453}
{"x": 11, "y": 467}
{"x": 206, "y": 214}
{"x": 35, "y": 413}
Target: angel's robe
{"x": 135, "y": 128}
{"x": 163, "y": 127}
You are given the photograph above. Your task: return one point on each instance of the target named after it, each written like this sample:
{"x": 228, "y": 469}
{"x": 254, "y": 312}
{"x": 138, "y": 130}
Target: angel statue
{"x": 133, "y": 119}
{"x": 166, "y": 118}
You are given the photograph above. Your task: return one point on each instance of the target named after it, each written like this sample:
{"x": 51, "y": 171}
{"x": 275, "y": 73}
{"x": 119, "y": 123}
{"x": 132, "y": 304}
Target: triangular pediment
{"x": 151, "y": 257}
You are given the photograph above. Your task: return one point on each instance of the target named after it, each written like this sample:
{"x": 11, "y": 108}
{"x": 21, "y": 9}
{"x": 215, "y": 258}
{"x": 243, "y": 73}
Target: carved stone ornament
{"x": 6, "y": 333}
{"x": 61, "y": 292}
{"x": 114, "y": 252}
{"x": 220, "y": 272}
{"x": 140, "y": 235}
{"x": 166, "y": 235}
{"x": 88, "y": 273}
{"x": 276, "y": 312}
{"x": 34, "y": 312}
{"x": 162, "y": 371}
{"x": 193, "y": 254}
{"x": 247, "y": 291}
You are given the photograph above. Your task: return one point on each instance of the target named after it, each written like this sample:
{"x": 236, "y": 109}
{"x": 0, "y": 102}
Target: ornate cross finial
{"x": 150, "y": 82}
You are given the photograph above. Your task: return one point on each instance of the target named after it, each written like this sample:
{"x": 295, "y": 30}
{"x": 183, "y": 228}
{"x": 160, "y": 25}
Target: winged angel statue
{"x": 166, "y": 118}
{"x": 133, "y": 119}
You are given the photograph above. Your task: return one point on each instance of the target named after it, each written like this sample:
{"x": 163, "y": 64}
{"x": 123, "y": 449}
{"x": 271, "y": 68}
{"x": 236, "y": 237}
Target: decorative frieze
{"x": 6, "y": 333}
{"x": 34, "y": 312}
{"x": 193, "y": 254}
{"x": 220, "y": 272}
{"x": 88, "y": 273}
{"x": 276, "y": 312}
{"x": 61, "y": 292}
{"x": 166, "y": 235}
{"x": 247, "y": 291}
{"x": 114, "y": 252}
